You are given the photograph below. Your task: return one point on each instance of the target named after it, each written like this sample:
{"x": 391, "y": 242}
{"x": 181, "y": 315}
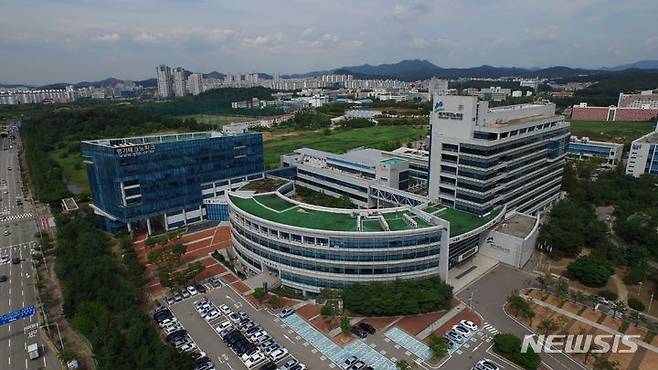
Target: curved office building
{"x": 311, "y": 247}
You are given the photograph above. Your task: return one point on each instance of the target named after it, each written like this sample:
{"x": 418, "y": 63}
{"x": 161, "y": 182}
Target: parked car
{"x": 178, "y": 297}
{"x": 455, "y": 337}
{"x": 225, "y": 309}
{"x": 358, "y": 365}
{"x": 223, "y": 325}
{"x": 200, "y": 288}
{"x": 486, "y": 364}
{"x": 278, "y": 354}
{"x": 349, "y": 361}
{"x": 286, "y": 312}
{"x": 234, "y": 317}
{"x": 3, "y": 278}
{"x": 170, "y": 300}
{"x": 359, "y": 332}
{"x": 192, "y": 290}
{"x": 290, "y": 363}
{"x": 254, "y": 360}
{"x": 461, "y": 330}
{"x": 249, "y": 353}
{"x": 469, "y": 324}
{"x": 268, "y": 366}
{"x": 185, "y": 293}
{"x": 367, "y": 327}
{"x": 214, "y": 282}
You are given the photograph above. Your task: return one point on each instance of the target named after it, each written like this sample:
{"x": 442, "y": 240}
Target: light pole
{"x": 650, "y": 301}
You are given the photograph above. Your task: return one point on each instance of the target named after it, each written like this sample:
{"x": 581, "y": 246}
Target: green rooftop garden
{"x": 462, "y": 222}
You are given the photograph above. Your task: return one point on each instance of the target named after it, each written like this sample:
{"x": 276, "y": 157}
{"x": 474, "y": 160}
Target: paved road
{"x": 18, "y": 291}
{"x": 489, "y": 295}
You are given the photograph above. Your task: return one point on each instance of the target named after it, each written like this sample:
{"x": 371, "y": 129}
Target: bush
{"x": 509, "y": 346}
{"x": 635, "y": 304}
{"x": 609, "y": 295}
{"x": 591, "y": 271}
{"x": 438, "y": 346}
{"x": 399, "y": 297}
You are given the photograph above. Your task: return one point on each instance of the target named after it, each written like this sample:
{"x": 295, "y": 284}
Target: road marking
{"x": 291, "y": 341}
{"x": 9, "y": 342}
{"x": 26, "y": 363}
{"x": 476, "y": 347}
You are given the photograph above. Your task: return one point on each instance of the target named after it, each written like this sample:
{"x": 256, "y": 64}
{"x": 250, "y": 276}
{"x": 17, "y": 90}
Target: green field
{"x": 215, "y": 119}
{"x": 617, "y": 131}
{"x": 72, "y": 168}
{"x": 340, "y": 141}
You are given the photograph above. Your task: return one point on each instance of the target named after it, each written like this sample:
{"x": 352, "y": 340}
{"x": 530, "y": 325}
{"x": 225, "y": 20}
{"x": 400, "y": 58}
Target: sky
{"x": 46, "y": 41}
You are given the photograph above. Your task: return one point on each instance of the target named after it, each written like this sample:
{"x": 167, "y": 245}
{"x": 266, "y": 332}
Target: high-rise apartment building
{"x": 180, "y": 88}
{"x": 165, "y": 81}
{"x": 482, "y": 158}
{"x": 195, "y": 83}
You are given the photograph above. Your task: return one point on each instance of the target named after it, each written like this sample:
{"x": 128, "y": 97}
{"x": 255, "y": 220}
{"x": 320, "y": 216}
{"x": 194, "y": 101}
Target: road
{"x": 489, "y": 294}
{"x": 18, "y": 291}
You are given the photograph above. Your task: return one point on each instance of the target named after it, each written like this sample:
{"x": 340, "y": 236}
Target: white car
{"x": 225, "y": 310}
{"x": 234, "y": 317}
{"x": 278, "y": 354}
{"x": 248, "y": 354}
{"x": 192, "y": 290}
{"x": 172, "y": 328}
{"x": 462, "y": 330}
{"x": 257, "y": 335}
{"x": 486, "y": 364}
{"x": 222, "y": 326}
{"x": 167, "y": 322}
{"x": 212, "y": 315}
{"x": 254, "y": 360}
{"x": 469, "y": 325}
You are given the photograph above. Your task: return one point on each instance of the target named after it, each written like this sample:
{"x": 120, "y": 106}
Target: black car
{"x": 3, "y": 278}
{"x": 359, "y": 332}
{"x": 268, "y": 366}
{"x": 367, "y": 327}
{"x": 15, "y": 260}
{"x": 200, "y": 288}
{"x": 175, "y": 335}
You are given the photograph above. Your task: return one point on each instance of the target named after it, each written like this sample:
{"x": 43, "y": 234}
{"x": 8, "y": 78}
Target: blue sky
{"x": 43, "y": 41}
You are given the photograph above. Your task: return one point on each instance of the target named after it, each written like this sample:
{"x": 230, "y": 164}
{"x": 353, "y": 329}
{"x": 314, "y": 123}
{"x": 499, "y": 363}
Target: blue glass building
{"x": 156, "y": 183}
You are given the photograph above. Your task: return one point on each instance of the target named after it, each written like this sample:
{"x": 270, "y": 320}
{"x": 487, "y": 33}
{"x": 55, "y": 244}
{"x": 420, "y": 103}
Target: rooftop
{"x": 278, "y": 209}
{"x": 519, "y": 225}
{"x": 650, "y": 138}
{"x": 154, "y": 139}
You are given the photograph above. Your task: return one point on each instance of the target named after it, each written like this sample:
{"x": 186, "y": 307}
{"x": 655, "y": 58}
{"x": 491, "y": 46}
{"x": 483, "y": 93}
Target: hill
{"x": 642, "y": 64}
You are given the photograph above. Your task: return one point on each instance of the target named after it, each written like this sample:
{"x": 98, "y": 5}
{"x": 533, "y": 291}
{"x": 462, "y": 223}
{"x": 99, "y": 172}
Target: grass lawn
{"x": 617, "y": 131}
{"x": 72, "y": 168}
{"x": 213, "y": 119}
{"x": 340, "y": 141}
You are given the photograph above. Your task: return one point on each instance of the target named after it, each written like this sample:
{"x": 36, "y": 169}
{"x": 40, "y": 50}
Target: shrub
{"x": 635, "y": 304}
{"x": 591, "y": 271}
{"x": 259, "y": 294}
{"x": 509, "y": 346}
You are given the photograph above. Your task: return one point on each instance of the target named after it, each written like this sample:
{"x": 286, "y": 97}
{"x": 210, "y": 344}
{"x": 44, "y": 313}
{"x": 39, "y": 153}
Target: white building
{"x": 437, "y": 86}
{"x": 482, "y": 158}
{"x": 195, "y": 83}
{"x": 180, "y": 88}
{"x": 643, "y": 157}
{"x": 583, "y": 148}
{"x": 165, "y": 81}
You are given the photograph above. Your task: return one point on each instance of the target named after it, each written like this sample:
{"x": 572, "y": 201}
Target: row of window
{"x": 367, "y": 269}
{"x": 336, "y": 254}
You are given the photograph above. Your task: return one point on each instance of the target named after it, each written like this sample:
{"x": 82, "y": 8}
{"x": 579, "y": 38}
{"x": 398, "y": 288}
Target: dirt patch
{"x": 323, "y": 324}
{"x": 343, "y": 339}
{"x": 309, "y": 311}
{"x": 380, "y": 323}
{"x": 416, "y": 323}
{"x": 241, "y": 287}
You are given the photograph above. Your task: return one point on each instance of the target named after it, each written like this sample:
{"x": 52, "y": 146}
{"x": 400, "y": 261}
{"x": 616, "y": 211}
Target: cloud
{"x": 424, "y": 43}
{"x": 109, "y": 37}
{"x": 354, "y": 44}
{"x": 267, "y": 40}
{"x": 410, "y": 10}
{"x": 542, "y": 34}
{"x": 326, "y": 40}
{"x": 145, "y": 37}
{"x": 653, "y": 40}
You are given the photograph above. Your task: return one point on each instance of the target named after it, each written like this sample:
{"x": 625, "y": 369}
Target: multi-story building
{"x": 584, "y": 148}
{"x": 630, "y": 107}
{"x": 179, "y": 81}
{"x": 165, "y": 81}
{"x": 195, "y": 83}
{"x": 155, "y": 183}
{"x": 643, "y": 156}
{"x": 311, "y": 247}
{"x": 482, "y": 158}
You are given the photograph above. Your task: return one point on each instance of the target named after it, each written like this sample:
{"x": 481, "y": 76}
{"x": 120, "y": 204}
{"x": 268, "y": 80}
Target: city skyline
{"x": 75, "y": 40}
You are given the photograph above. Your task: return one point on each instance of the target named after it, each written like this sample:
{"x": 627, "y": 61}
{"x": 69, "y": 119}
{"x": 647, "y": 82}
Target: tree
{"x": 345, "y": 324}
{"x": 635, "y": 304}
{"x": 438, "y": 346}
{"x": 602, "y": 363}
{"x": 561, "y": 288}
{"x": 547, "y": 326}
{"x": 259, "y": 294}
{"x": 519, "y": 306}
{"x": 404, "y": 365}
{"x": 275, "y": 301}
{"x": 591, "y": 271}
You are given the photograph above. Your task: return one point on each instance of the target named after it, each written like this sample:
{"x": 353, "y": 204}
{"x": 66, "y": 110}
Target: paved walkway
{"x": 442, "y": 320}
{"x": 590, "y": 322}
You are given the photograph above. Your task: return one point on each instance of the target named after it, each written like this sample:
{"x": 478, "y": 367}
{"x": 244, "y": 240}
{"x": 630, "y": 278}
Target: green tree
{"x": 591, "y": 271}
{"x": 404, "y": 365}
{"x": 345, "y": 324}
{"x": 547, "y": 326}
{"x": 438, "y": 346}
{"x": 259, "y": 294}
{"x": 275, "y": 301}
{"x": 635, "y": 304}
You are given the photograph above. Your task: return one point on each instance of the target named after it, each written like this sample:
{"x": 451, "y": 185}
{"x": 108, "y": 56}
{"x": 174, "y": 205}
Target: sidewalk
{"x": 589, "y": 322}
{"x": 442, "y": 320}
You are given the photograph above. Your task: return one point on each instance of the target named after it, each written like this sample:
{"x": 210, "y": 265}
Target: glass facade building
{"x": 162, "y": 180}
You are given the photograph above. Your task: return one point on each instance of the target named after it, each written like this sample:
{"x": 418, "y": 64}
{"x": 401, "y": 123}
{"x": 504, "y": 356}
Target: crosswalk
{"x": 490, "y": 328}
{"x": 17, "y": 250}
{"x": 10, "y": 218}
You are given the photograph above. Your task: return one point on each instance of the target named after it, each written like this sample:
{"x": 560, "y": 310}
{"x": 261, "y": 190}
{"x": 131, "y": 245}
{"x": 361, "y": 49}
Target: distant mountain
{"x": 642, "y": 64}
{"x": 149, "y": 82}
{"x": 412, "y": 70}
{"x": 214, "y": 74}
